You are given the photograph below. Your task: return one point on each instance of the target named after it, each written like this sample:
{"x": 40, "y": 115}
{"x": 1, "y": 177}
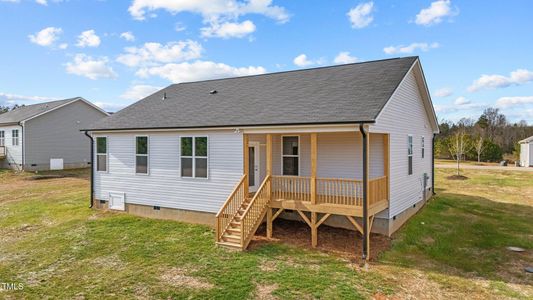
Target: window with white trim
{"x": 423, "y": 147}
{"x": 141, "y": 155}
{"x": 101, "y": 154}
{"x": 194, "y": 156}
{"x": 410, "y": 154}
{"x": 15, "y": 137}
{"x": 290, "y": 155}
{"x": 2, "y": 138}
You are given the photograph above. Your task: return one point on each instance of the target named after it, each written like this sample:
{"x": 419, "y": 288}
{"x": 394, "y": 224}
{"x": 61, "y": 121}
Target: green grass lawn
{"x": 454, "y": 248}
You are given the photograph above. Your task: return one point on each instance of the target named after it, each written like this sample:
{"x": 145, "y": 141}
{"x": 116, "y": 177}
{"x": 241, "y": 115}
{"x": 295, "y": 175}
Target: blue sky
{"x": 475, "y": 54}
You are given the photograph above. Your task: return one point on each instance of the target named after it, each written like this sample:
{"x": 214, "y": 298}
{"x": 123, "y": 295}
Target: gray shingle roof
{"x": 338, "y": 94}
{"x": 28, "y": 111}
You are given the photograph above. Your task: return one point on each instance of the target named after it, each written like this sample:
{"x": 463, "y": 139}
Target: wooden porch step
{"x": 231, "y": 238}
{"x": 230, "y": 245}
{"x": 234, "y": 230}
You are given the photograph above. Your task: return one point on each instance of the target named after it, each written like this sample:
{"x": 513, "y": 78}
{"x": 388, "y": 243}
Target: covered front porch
{"x": 316, "y": 174}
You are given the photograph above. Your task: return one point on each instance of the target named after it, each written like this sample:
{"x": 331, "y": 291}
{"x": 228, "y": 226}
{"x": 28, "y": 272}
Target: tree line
{"x": 4, "y": 109}
{"x": 489, "y": 138}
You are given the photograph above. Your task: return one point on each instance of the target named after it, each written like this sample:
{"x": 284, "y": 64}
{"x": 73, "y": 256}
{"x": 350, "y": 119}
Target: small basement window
{"x": 141, "y": 155}
{"x": 101, "y": 154}
{"x": 2, "y": 138}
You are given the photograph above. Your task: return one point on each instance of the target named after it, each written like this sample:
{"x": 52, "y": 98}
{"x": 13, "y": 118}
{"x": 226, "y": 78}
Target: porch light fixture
{"x": 212, "y": 92}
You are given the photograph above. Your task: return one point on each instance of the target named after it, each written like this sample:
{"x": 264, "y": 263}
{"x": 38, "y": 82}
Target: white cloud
{"x": 228, "y": 29}
{"x": 517, "y": 77}
{"x": 92, "y": 68}
{"x": 361, "y": 15}
{"x": 435, "y": 13}
{"x": 461, "y": 101}
{"x": 443, "y": 92}
{"x": 505, "y": 102}
{"x": 10, "y": 1}
{"x": 179, "y": 27}
{"x": 11, "y": 99}
{"x": 42, "y": 2}
{"x": 140, "y": 91}
{"x": 302, "y": 61}
{"x": 88, "y": 39}
{"x": 345, "y": 58}
{"x": 154, "y": 53}
{"x": 198, "y": 70}
{"x": 410, "y": 48}
{"x": 221, "y": 16}
{"x": 46, "y": 37}
{"x": 128, "y": 36}
{"x": 107, "y": 106}
{"x": 63, "y": 46}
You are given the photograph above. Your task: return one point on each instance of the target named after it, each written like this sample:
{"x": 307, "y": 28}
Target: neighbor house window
{"x": 423, "y": 148}
{"x": 410, "y": 153}
{"x": 141, "y": 155}
{"x": 194, "y": 153}
{"x": 15, "y": 137}
{"x": 290, "y": 155}
{"x": 101, "y": 154}
{"x": 2, "y": 139}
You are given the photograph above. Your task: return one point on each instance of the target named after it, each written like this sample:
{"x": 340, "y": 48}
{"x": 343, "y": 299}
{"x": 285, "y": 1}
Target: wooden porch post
{"x": 314, "y": 228}
{"x": 366, "y": 189}
{"x": 246, "y": 163}
{"x": 269, "y": 173}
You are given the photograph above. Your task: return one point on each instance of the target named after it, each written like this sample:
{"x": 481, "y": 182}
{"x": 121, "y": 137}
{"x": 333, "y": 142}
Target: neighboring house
{"x": 348, "y": 145}
{"x": 47, "y": 135}
{"x": 526, "y": 152}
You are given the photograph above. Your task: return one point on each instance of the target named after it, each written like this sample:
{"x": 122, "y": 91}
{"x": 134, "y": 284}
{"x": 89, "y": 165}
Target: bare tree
{"x": 458, "y": 145}
{"x": 479, "y": 147}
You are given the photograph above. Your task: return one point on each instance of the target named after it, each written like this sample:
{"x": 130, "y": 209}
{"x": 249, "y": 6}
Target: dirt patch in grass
{"x": 264, "y": 291}
{"x": 178, "y": 277}
{"x": 457, "y": 177}
{"x": 342, "y": 242}
{"x": 268, "y": 266}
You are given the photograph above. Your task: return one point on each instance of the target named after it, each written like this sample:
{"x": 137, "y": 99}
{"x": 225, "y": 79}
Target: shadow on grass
{"x": 466, "y": 236}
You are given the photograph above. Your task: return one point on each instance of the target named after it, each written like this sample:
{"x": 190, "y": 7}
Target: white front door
{"x": 253, "y": 165}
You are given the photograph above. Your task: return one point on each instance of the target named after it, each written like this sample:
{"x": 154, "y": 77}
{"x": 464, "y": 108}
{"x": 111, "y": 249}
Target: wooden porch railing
{"x": 378, "y": 190}
{"x": 339, "y": 191}
{"x": 291, "y": 188}
{"x": 254, "y": 214}
{"x": 230, "y": 207}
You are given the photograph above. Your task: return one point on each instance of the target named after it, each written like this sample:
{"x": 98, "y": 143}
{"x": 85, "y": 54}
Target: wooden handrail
{"x": 230, "y": 208}
{"x": 254, "y": 213}
{"x": 231, "y": 195}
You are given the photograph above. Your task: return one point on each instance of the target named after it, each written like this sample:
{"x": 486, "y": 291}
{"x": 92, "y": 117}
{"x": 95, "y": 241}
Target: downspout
{"x": 365, "y": 192}
{"x": 433, "y": 164}
{"x": 92, "y": 168}
{"x": 23, "y": 141}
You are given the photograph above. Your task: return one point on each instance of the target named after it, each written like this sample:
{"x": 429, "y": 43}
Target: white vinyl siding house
{"x": 13, "y": 152}
{"x": 297, "y": 137}
{"x": 526, "y": 152}
{"x": 405, "y": 115}
{"x": 164, "y": 186}
{"x": 45, "y": 135}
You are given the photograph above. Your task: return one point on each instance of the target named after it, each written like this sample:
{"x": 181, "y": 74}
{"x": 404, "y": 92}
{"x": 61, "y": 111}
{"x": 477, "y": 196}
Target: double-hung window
{"x": 410, "y": 154}
{"x": 194, "y": 156}
{"x": 15, "y": 137}
{"x": 141, "y": 155}
{"x": 101, "y": 154}
{"x": 2, "y": 138}
{"x": 290, "y": 155}
{"x": 423, "y": 147}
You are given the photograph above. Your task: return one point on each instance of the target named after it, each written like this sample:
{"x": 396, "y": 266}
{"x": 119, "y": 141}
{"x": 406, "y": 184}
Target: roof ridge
{"x": 297, "y": 70}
